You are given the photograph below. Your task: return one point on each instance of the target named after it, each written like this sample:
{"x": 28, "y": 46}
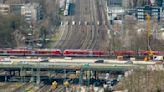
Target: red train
{"x": 85, "y": 53}
{"x": 23, "y": 52}
{"x": 72, "y": 52}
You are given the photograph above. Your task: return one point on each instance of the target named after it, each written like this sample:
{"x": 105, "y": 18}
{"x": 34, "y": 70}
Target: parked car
{"x": 43, "y": 60}
{"x": 128, "y": 62}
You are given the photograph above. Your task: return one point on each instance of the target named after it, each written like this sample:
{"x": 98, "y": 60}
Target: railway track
{"x": 5, "y": 87}
{"x": 44, "y": 88}
{"x": 79, "y": 31}
{"x": 87, "y": 42}
{"x": 60, "y": 88}
{"x": 30, "y": 88}
{"x": 82, "y": 36}
{"x": 19, "y": 89}
{"x": 100, "y": 33}
{"x": 58, "y": 43}
{"x": 86, "y": 27}
{"x": 70, "y": 31}
{"x": 94, "y": 26}
{"x": 103, "y": 28}
{"x": 76, "y": 35}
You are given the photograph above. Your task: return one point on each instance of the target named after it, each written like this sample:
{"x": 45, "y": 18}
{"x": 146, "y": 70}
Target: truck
{"x": 157, "y": 58}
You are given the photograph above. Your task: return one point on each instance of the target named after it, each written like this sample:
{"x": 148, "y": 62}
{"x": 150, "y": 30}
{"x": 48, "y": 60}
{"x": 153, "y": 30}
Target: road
{"x": 81, "y": 60}
{"x": 67, "y": 65}
{"x": 86, "y": 33}
{"x": 74, "y": 64}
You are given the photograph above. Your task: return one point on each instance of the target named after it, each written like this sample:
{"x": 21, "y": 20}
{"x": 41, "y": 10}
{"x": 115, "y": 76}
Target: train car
{"x": 67, "y": 1}
{"x": 85, "y": 53}
{"x": 56, "y": 52}
{"x": 16, "y": 52}
{"x": 37, "y": 52}
{"x": 62, "y": 4}
{"x": 119, "y": 53}
{"x": 76, "y": 53}
{"x": 130, "y": 53}
{"x": 47, "y": 52}
{"x": 67, "y": 6}
{"x": 123, "y": 53}
{"x": 99, "y": 53}
{"x": 2, "y": 52}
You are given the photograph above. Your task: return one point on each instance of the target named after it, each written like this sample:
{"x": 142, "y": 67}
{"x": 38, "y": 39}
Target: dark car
{"x": 99, "y": 61}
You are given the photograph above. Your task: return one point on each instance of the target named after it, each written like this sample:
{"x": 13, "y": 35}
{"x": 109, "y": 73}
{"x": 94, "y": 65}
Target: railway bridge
{"x": 35, "y": 69}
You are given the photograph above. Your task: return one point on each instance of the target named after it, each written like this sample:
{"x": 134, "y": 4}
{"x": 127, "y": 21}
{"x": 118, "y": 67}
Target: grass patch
{"x": 55, "y": 37}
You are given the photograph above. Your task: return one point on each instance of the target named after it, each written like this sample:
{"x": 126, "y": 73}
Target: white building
{"x": 113, "y": 12}
{"x": 32, "y": 12}
{"x": 4, "y": 9}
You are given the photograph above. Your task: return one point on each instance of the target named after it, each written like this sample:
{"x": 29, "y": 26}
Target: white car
{"x": 79, "y": 22}
{"x": 73, "y": 22}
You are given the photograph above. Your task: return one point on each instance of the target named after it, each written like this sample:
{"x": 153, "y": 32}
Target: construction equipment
{"x": 158, "y": 58}
{"x": 150, "y": 52}
{"x": 54, "y": 85}
{"x": 66, "y": 83}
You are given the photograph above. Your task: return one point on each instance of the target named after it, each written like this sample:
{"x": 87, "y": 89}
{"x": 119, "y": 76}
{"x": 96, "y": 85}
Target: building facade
{"x": 154, "y": 12}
